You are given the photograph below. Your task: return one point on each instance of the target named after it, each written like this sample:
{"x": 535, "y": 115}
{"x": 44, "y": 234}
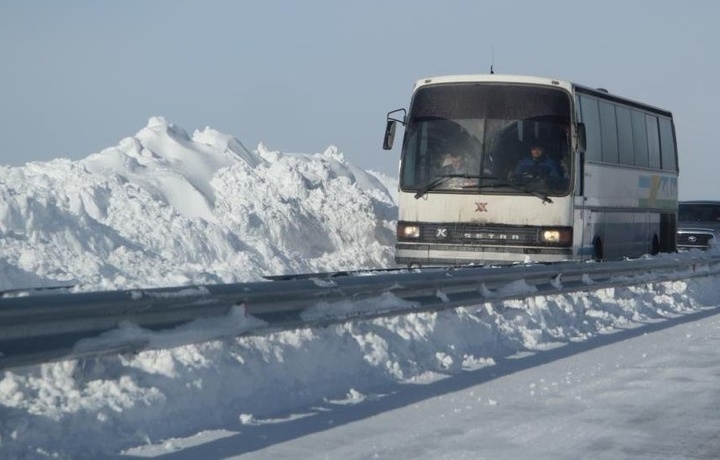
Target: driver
{"x": 537, "y": 166}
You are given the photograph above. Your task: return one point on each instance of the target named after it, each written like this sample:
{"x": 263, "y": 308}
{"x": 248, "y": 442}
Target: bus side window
{"x": 591, "y": 120}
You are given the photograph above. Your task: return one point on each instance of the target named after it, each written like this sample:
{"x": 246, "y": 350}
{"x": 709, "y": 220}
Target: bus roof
{"x": 471, "y": 78}
{"x": 534, "y": 80}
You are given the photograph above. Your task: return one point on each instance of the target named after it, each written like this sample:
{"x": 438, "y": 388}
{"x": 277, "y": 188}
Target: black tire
{"x": 655, "y": 248}
{"x": 598, "y": 254}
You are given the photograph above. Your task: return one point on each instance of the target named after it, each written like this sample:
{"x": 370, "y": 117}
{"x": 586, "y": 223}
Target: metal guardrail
{"x": 47, "y": 327}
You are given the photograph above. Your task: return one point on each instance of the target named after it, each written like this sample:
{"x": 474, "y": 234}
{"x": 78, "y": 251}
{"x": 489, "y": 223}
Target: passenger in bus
{"x": 453, "y": 164}
{"x": 537, "y": 166}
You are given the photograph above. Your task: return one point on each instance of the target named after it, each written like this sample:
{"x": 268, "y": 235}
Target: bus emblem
{"x": 480, "y": 207}
{"x": 441, "y": 233}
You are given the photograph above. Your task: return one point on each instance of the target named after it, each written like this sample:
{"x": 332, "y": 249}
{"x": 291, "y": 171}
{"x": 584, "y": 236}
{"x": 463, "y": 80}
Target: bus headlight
{"x": 556, "y": 236}
{"x": 408, "y": 231}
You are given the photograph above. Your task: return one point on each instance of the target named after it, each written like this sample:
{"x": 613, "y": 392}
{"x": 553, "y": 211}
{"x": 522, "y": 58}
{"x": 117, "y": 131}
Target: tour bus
{"x": 466, "y": 198}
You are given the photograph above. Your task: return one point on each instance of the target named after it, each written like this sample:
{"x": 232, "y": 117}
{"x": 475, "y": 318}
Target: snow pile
{"x": 164, "y": 209}
{"x": 95, "y": 408}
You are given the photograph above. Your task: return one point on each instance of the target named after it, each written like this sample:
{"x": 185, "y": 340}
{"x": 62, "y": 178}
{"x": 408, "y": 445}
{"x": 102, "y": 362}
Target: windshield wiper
{"x": 440, "y": 179}
{"x": 536, "y": 193}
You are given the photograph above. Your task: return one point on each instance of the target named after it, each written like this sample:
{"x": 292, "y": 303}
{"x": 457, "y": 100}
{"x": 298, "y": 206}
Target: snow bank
{"x": 94, "y": 408}
{"x": 163, "y": 208}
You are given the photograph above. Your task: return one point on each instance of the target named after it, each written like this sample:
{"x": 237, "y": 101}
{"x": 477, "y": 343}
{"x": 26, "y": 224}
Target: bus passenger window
{"x": 653, "y": 137}
{"x": 591, "y": 119}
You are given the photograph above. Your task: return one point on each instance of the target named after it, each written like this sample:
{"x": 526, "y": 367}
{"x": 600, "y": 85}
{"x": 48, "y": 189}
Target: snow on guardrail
{"x": 41, "y": 328}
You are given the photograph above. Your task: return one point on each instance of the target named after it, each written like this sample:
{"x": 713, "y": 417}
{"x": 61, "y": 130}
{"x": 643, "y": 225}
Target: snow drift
{"x": 162, "y": 209}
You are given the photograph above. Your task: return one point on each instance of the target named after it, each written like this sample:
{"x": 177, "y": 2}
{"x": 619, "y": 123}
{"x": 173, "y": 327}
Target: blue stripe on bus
{"x": 661, "y": 192}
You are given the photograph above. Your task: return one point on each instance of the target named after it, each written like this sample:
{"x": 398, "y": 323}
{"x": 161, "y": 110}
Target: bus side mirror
{"x": 581, "y": 137}
{"x": 390, "y": 128}
{"x": 389, "y": 134}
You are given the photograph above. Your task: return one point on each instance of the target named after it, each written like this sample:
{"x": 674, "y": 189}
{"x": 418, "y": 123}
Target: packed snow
{"x": 164, "y": 209}
{"x": 595, "y": 375}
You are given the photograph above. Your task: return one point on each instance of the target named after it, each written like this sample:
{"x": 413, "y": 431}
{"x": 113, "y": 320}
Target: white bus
{"x": 612, "y": 194}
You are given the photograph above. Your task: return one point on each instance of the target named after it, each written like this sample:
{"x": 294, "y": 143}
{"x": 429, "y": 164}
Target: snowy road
{"x": 648, "y": 393}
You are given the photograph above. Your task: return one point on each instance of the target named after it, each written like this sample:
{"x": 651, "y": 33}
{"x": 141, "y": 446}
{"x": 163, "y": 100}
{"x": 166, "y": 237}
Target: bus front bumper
{"x": 448, "y": 254}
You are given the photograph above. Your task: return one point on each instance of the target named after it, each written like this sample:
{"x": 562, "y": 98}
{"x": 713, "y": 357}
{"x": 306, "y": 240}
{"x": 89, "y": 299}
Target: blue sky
{"x": 78, "y": 76}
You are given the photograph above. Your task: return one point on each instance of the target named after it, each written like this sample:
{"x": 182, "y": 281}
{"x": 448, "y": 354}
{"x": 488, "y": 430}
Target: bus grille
{"x": 464, "y": 233}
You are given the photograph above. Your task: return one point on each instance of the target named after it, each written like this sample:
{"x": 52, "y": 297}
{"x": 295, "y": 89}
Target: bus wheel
{"x": 655, "y": 248}
{"x": 598, "y": 249}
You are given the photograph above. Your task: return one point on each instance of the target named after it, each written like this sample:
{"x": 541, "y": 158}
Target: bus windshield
{"x": 487, "y": 138}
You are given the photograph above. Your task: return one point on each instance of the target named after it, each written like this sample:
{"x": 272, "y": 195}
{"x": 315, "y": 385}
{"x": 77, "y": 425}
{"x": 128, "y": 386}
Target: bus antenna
{"x": 492, "y": 62}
